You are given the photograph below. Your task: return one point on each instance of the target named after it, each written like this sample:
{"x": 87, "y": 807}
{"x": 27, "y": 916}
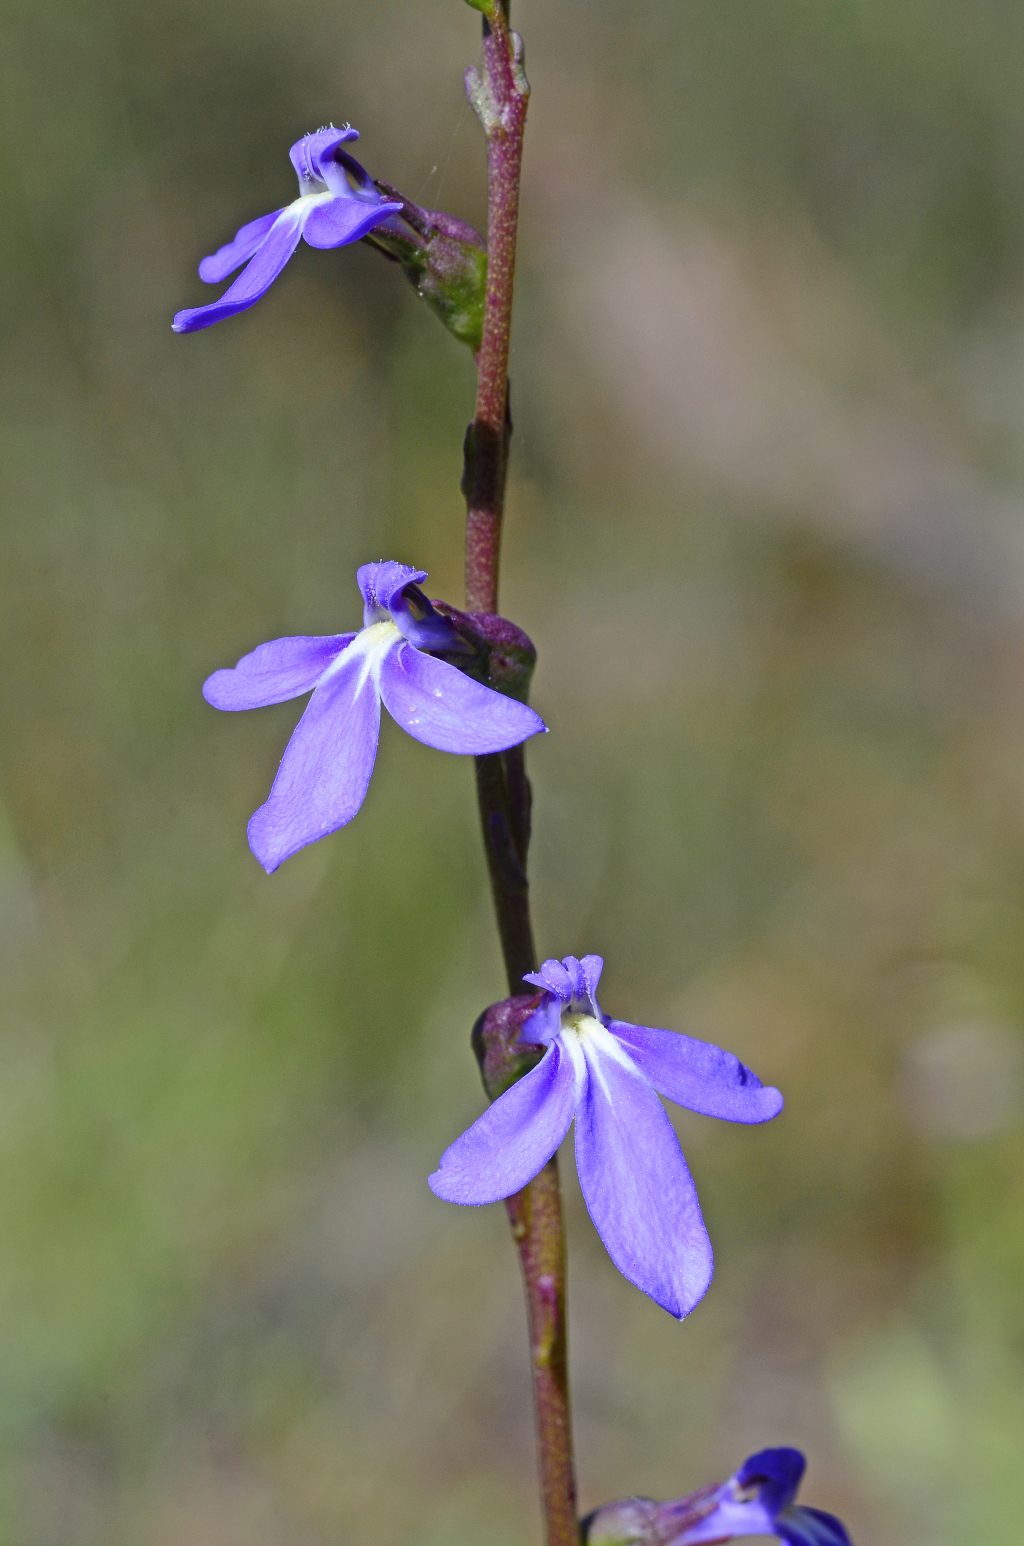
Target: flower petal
{"x": 326, "y": 767}
{"x": 572, "y": 967}
{"x": 334, "y": 172}
{"x": 582, "y": 978}
{"x": 341, "y": 220}
{"x": 274, "y": 672}
{"x": 381, "y": 583}
{"x": 636, "y": 1183}
{"x": 237, "y": 251}
{"x": 591, "y": 968}
{"x": 553, "y": 978}
{"x": 309, "y": 155}
{"x": 544, "y": 1024}
{"x": 515, "y": 1138}
{"x": 811, "y": 1527}
{"x": 444, "y": 708}
{"x": 417, "y": 621}
{"x": 730, "y": 1519}
{"x": 698, "y": 1075}
{"x": 776, "y": 1473}
{"x": 254, "y": 280}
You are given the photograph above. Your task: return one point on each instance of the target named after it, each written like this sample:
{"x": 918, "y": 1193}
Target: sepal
{"x": 645, "y": 1522}
{"x": 444, "y": 260}
{"x": 629, "y": 1522}
{"x": 503, "y": 656}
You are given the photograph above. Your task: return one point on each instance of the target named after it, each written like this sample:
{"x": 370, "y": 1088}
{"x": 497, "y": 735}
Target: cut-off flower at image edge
{"x": 331, "y": 211}
{"x": 608, "y": 1074}
{"x": 326, "y": 767}
{"x": 756, "y": 1500}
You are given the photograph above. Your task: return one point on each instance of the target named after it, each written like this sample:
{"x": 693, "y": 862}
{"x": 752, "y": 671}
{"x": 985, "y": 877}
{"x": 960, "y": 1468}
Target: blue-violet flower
{"x": 326, "y": 767}
{"x": 608, "y": 1074}
{"x": 758, "y": 1500}
{"x": 338, "y": 203}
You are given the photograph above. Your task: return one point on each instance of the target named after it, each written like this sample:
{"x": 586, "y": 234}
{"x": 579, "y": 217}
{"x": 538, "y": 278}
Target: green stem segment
{"x": 500, "y": 92}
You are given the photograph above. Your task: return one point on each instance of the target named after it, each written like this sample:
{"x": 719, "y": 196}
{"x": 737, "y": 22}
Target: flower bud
{"x": 502, "y": 1058}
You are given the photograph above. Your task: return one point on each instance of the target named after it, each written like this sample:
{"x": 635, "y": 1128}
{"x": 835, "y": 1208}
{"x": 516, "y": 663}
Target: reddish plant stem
{"x": 502, "y": 106}
{"x": 500, "y": 95}
{"x": 535, "y": 1214}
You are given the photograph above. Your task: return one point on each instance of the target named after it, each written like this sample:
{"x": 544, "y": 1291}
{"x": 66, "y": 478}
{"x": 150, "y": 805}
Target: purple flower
{"x": 758, "y": 1500}
{"x": 329, "y": 212}
{"x": 326, "y": 766}
{"x": 608, "y": 1074}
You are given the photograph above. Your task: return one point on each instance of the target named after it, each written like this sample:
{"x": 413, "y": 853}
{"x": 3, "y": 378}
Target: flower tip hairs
{"x": 608, "y": 1075}
{"x": 392, "y": 659}
{"x": 338, "y": 203}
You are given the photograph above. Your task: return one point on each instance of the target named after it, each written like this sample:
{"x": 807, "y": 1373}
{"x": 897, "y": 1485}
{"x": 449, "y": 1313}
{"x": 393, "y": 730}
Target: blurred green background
{"x": 767, "y": 529}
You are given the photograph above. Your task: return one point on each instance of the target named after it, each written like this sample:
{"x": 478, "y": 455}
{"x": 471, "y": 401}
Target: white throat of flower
{"x": 588, "y": 1043}
{"x": 369, "y": 646}
{"x": 302, "y": 207}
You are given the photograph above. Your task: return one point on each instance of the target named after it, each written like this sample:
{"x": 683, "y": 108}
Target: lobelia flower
{"x": 326, "y": 766}
{"x": 329, "y": 212}
{"x": 608, "y": 1074}
{"x": 757, "y": 1500}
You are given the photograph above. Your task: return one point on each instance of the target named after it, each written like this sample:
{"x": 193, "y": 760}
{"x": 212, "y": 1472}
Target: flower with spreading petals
{"x": 757, "y": 1500}
{"x": 327, "y": 764}
{"x": 609, "y": 1074}
{"x": 338, "y": 203}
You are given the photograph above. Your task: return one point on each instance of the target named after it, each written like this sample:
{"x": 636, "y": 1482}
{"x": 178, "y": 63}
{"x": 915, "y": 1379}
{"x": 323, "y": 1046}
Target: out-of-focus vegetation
{"x": 765, "y": 528}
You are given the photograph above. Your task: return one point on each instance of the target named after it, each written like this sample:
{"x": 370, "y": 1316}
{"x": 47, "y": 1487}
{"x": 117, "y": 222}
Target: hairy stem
{"x": 500, "y": 93}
